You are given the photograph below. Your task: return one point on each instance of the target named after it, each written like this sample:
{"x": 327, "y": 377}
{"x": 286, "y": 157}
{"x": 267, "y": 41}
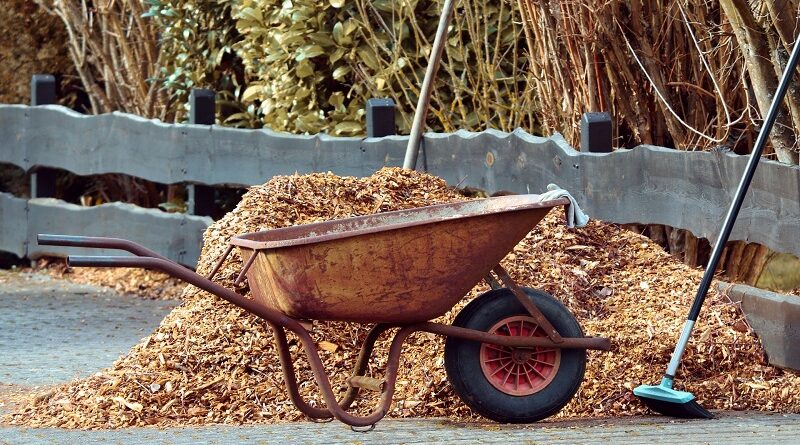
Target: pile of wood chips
{"x": 210, "y": 362}
{"x": 144, "y": 283}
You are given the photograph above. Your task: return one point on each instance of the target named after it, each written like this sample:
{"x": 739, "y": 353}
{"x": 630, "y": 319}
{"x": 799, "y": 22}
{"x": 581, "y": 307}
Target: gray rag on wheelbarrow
{"x": 575, "y": 216}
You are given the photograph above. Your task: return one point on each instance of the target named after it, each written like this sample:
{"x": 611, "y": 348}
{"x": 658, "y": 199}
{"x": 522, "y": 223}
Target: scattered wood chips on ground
{"x": 145, "y": 283}
{"x": 210, "y": 362}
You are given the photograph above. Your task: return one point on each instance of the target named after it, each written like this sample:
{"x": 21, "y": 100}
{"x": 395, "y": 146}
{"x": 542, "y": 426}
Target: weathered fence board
{"x": 54, "y": 136}
{"x": 13, "y": 219}
{"x": 690, "y": 190}
{"x": 174, "y": 235}
{"x": 493, "y": 160}
{"x": 774, "y": 317}
{"x": 693, "y": 191}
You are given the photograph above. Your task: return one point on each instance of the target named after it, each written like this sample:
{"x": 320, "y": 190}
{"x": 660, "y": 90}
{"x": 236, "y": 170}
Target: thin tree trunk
{"x": 735, "y": 259}
{"x": 690, "y": 252}
{"x": 755, "y": 49}
{"x": 760, "y": 258}
{"x": 658, "y": 234}
{"x": 747, "y": 262}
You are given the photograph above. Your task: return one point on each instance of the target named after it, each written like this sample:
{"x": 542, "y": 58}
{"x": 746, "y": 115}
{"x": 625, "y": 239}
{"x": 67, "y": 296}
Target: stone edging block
{"x": 774, "y": 317}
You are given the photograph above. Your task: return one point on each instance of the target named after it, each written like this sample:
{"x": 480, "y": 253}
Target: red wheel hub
{"x": 519, "y": 371}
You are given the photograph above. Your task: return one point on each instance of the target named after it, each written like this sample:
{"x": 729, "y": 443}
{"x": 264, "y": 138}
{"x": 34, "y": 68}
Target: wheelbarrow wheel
{"x": 514, "y": 385}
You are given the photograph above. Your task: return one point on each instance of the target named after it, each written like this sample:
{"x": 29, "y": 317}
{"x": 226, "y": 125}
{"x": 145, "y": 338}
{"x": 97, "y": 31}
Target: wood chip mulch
{"x": 210, "y": 362}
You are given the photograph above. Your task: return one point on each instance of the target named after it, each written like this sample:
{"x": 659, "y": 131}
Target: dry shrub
{"x": 483, "y": 81}
{"x": 31, "y": 42}
{"x": 114, "y": 50}
{"x": 689, "y": 74}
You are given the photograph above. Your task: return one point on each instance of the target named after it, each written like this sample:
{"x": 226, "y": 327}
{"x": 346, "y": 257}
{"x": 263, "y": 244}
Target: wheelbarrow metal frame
{"x": 280, "y": 322}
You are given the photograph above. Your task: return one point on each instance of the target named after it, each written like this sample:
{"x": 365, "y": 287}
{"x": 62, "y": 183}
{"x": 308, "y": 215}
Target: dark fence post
{"x": 202, "y": 105}
{"x": 596, "y": 132}
{"x": 43, "y": 89}
{"x": 380, "y": 118}
{"x": 43, "y": 92}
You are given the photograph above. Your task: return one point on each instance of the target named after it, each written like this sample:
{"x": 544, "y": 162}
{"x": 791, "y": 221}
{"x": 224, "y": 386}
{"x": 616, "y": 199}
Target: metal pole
{"x": 421, "y": 112}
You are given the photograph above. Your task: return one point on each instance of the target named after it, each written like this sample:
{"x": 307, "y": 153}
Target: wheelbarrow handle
{"x": 102, "y": 261}
{"x": 187, "y": 275}
{"x": 97, "y": 242}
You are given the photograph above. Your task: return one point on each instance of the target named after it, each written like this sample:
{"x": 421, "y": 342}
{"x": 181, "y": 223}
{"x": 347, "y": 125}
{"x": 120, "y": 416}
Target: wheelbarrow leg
{"x": 291, "y": 380}
{"x": 321, "y": 377}
{"x": 362, "y": 361}
{"x": 287, "y": 366}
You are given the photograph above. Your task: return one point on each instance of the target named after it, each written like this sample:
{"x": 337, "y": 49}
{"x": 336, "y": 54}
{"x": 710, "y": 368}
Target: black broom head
{"x": 686, "y": 410}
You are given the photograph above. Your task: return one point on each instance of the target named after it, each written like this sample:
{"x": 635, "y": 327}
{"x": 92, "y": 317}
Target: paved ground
{"x": 52, "y": 331}
{"x": 741, "y": 428}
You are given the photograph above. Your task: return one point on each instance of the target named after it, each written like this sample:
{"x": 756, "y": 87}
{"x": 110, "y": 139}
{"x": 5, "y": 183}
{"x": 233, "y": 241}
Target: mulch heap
{"x": 210, "y": 362}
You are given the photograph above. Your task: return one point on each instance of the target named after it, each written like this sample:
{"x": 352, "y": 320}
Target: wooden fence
{"x": 647, "y": 185}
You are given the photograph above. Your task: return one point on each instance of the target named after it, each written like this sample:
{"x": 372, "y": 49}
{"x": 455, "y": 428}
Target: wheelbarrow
{"x": 512, "y": 354}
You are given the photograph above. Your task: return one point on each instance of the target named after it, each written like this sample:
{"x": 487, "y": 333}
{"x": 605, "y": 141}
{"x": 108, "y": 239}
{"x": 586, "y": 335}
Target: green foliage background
{"x": 196, "y": 49}
{"x": 308, "y": 66}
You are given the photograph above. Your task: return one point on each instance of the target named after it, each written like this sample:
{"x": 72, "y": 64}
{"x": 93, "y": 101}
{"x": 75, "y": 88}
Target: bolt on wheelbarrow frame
{"x": 279, "y": 322}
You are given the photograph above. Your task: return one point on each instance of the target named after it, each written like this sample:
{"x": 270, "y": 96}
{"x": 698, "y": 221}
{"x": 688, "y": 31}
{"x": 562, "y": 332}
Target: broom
{"x": 662, "y": 398}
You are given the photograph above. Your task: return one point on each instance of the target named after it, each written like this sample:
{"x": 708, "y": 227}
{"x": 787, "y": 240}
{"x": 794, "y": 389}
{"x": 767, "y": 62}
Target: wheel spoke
{"x": 533, "y": 368}
{"x": 510, "y": 372}
{"x": 528, "y": 376}
{"x": 502, "y": 349}
{"x": 542, "y": 362}
{"x": 499, "y": 369}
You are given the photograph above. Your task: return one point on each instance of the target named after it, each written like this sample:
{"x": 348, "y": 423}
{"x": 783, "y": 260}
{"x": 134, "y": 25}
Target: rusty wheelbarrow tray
{"x": 398, "y": 270}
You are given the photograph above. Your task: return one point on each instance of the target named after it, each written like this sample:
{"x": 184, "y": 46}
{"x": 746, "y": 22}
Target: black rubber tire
{"x": 462, "y": 359}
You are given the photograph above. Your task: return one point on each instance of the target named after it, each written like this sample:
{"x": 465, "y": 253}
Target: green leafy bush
{"x": 196, "y": 50}
{"x": 308, "y": 66}
{"x": 314, "y": 63}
